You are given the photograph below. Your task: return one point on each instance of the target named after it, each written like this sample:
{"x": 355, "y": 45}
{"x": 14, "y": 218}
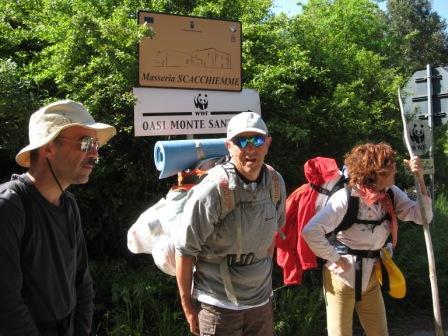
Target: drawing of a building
{"x": 212, "y": 58}
{"x": 205, "y": 58}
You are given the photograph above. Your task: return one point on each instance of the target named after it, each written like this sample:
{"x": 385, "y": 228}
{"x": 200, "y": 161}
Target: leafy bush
{"x": 299, "y": 310}
{"x": 136, "y": 301}
{"x": 411, "y": 257}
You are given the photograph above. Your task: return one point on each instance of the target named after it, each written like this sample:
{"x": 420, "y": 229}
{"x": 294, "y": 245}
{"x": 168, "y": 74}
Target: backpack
{"x": 351, "y": 216}
{"x": 17, "y": 186}
{"x": 153, "y": 231}
{"x": 293, "y": 254}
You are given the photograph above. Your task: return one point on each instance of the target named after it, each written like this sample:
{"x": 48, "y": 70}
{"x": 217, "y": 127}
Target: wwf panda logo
{"x": 417, "y": 134}
{"x": 201, "y": 101}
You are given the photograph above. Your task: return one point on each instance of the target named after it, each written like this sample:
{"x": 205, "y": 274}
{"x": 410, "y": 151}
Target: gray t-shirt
{"x": 237, "y": 244}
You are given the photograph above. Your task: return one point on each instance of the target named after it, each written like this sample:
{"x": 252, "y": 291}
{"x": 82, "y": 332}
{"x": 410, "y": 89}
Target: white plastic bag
{"x": 171, "y": 217}
{"x": 146, "y": 230}
{"x": 163, "y": 253}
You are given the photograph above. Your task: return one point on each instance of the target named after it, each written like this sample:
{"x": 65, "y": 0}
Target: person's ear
{"x": 228, "y": 144}
{"x": 268, "y": 141}
{"x": 230, "y": 147}
{"x": 47, "y": 150}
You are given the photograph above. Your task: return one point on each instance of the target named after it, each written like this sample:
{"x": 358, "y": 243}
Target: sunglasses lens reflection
{"x": 243, "y": 142}
{"x": 88, "y": 143}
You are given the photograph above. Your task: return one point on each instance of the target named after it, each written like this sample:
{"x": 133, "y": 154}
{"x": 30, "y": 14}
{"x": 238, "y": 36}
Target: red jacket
{"x": 293, "y": 254}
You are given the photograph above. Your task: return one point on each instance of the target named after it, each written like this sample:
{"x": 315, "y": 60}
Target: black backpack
{"x": 351, "y": 216}
{"x": 17, "y": 186}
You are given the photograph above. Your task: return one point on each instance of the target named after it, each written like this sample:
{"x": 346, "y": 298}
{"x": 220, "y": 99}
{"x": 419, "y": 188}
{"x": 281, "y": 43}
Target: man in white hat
{"x": 230, "y": 291}
{"x": 45, "y": 287}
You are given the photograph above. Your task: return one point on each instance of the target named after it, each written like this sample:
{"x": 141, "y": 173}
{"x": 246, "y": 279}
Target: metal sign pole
{"x": 430, "y": 124}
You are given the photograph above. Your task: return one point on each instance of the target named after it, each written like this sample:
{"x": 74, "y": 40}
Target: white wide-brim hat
{"x": 46, "y": 124}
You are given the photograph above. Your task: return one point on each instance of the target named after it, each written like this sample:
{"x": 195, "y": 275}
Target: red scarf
{"x": 370, "y": 196}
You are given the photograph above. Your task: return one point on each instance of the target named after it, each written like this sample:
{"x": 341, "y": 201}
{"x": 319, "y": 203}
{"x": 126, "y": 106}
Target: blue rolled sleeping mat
{"x": 173, "y": 156}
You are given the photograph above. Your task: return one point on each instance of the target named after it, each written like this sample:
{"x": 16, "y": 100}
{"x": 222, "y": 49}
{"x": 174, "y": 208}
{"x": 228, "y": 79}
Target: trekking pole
{"x": 428, "y": 241}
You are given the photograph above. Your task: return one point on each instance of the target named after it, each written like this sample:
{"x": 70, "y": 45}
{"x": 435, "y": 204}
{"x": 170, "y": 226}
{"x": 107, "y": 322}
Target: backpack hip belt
{"x": 359, "y": 255}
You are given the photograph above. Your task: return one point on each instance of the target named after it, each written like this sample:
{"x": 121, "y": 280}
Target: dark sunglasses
{"x": 87, "y": 143}
{"x": 243, "y": 142}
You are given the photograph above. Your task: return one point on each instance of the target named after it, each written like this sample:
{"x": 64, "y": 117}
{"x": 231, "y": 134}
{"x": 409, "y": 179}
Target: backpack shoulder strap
{"x": 275, "y": 184}
{"x": 276, "y": 192}
{"x": 16, "y": 185}
{"x": 339, "y": 185}
{"x": 227, "y": 195}
{"x": 391, "y": 195}
{"x": 352, "y": 211}
{"x": 351, "y": 216}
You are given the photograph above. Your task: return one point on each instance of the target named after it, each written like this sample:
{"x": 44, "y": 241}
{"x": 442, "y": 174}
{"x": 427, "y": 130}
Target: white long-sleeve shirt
{"x": 358, "y": 236}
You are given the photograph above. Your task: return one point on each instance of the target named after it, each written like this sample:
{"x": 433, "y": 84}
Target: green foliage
{"x": 343, "y": 37}
{"x": 15, "y": 102}
{"x": 336, "y": 31}
{"x": 411, "y": 257}
{"x": 323, "y": 81}
{"x": 418, "y": 35}
{"x": 299, "y": 311}
{"x": 247, "y": 11}
{"x": 440, "y": 139}
{"x": 136, "y": 301}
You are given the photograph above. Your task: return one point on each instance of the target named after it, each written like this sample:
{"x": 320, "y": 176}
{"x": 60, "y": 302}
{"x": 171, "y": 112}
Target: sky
{"x": 290, "y": 7}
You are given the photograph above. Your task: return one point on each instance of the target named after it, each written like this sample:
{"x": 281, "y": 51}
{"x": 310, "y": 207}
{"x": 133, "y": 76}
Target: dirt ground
{"x": 418, "y": 324}
{"x": 421, "y": 325}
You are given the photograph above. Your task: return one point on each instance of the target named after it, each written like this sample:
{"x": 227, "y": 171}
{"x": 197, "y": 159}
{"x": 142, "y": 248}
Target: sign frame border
{"x": 192, "y": 88}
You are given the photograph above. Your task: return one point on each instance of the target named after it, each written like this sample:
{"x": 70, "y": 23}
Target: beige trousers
{"x": 340, "y": 303}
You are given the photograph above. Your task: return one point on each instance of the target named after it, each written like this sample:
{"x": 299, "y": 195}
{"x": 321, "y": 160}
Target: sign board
{"x": 419, "y": 136}
{"x": 415, "y": 95}
{"x": 190, "y": 52}
{"x": 179, "y": 112}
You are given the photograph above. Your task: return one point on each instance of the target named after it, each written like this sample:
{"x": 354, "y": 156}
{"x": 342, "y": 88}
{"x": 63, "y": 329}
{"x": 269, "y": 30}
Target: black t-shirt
{"x": 44, "y": 263}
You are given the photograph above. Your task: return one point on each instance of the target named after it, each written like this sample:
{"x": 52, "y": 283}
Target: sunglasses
{"x": 243, "y": 142}
{"x": 87, "y": 143}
